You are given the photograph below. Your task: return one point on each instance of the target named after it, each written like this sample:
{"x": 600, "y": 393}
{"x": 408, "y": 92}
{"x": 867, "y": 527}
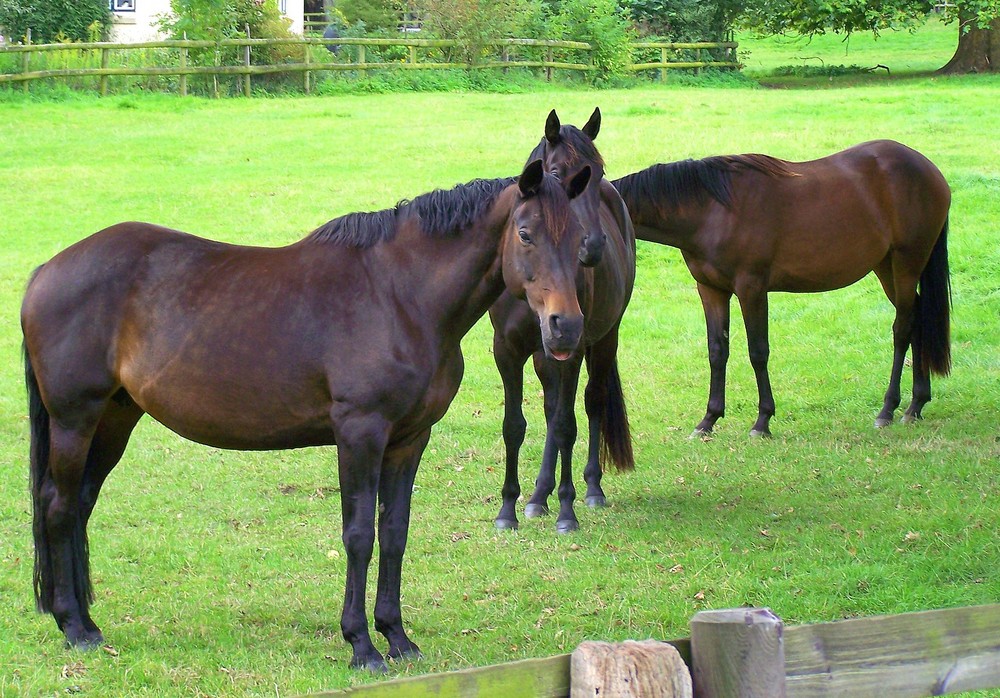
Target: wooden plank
{"x": 928, "y": 653}
{"x": 738, "y": 653}
{"x": 530, "y": 678}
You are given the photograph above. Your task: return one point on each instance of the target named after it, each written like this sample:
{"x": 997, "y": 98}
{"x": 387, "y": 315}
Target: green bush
{"x": 473, "y": 24}
{"x": 605, "y": 25}
{"x": 51, "y": 21}
{"x": 375, "y": 15}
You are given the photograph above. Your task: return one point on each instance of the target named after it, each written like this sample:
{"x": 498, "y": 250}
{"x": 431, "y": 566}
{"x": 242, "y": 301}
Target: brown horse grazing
{"x": 349, "y": 337}
{"x": 749, "y": 224}
{"x": 604, "y": 292}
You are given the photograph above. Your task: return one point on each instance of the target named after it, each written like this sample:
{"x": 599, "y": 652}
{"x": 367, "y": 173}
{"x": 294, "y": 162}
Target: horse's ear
{"x": 530, "y": 180}
{"x": 552, "y": 128}
{"x": 579, "y": 182}
{"x": 593, "y": 127}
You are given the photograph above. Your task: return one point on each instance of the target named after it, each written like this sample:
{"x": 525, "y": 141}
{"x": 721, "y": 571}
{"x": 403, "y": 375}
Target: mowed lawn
{"x": 222, "y": 573}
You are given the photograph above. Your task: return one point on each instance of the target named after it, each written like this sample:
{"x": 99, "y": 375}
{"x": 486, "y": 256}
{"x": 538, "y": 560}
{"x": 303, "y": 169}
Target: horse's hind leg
{"x": 79, "y": 462}
{"x": 716, "y": 306}
{"x": 901, "y": 289}
{"x": 921, "y": 373}
{"x": 753, "y": 303}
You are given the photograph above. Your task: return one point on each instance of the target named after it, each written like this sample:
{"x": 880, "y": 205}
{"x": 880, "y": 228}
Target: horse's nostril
{"x": 554, "y": 320}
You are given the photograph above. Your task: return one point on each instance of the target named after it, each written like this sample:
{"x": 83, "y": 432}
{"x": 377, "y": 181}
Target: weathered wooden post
{"x": 306, "y": 73}
{"x": 104, "y": 76}
{"x": 183, "y": 63}
{"x": 663, "y": 59}
{"x": 630, "y": 669}
{"x": 549, "y": 58}
{"x": 738, "y": 653}
{"x": 246, "y": 64}
{"x": 361, "y": 61}
{"x": 26, "y": 59}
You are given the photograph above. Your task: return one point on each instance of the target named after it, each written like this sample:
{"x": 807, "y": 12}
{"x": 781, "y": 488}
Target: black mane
{"x": 443, "y": 212}
{"x": 695, "y": 180}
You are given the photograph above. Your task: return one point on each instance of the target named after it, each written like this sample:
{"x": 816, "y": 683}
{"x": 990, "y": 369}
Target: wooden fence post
{"x": 184, "y": 62}
{"x": 26, "y": 59}
{"x": 650, "y": 669}
{"x": 663, "y": 70}
{"x": 215, "y": 76}
{"x": 548, "y": 59}
{"x": 104, "y": 77}
{"x": 738, "y": 653}
{"x": 246, "y": 62}
{"x": 361, "y": 60}
{"x": 307, "y": 61}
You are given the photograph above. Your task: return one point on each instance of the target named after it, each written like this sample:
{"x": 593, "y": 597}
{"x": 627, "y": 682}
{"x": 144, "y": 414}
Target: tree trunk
{"x": 978, "y": 49}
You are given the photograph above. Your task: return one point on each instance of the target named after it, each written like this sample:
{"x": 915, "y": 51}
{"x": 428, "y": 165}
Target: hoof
{"x": 373, "y": 665}
{"x": 567, "y": 526}
{"x": 412, "y": 654}
{"x": 758, "y": 434}
{"x": 596, "y": 501}
{"x": 506, "y": 524}
{"x": 533, "y": 511}
{"x": 882, "y": 422}
{"x": 701, "y": 434}
{"x": 85, "y": 642}
{"x": 910, "y": 418}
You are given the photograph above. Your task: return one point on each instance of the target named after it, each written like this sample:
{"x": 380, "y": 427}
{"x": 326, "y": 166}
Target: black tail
{"x": 616, "y": 437}
{"x": 934, "y": 308}
{"x": 39, "y": 418}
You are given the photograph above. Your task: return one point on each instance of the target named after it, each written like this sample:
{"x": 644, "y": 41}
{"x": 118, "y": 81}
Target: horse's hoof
{"x": 533, "y": 511}
{"x": 567, "y": 526}
{"x": 596, "y": 501}
{"x": 506, "y": 524}
{"x": 412, "y": 654}
{"x": 758, "y": 434}
{"x": 86, "y": 641}
{"x": 910, "y": 418}
{"x": 373, "y": 665}
{"x": 701, "y": 434}
{"x": 882, "y": 422}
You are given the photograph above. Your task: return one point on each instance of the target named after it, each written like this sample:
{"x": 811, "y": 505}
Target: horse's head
{"x": 565, "y": 151}
{"x": 540, "y": 255}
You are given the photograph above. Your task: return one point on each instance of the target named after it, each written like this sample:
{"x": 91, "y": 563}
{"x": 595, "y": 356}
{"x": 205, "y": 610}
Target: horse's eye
{"x": 525, "y": 236}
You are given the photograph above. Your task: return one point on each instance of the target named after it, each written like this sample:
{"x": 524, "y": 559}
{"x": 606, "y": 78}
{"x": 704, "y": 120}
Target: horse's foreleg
{"x": 716, "y": 305}
{"x": 399, "y": 469}
{"x": 563, "y": 429}
{"x": 360, "y": 447}
{"x": 753, "y": 303}
{"x": 511, "y": 370}
{"x": 548, "y": 373}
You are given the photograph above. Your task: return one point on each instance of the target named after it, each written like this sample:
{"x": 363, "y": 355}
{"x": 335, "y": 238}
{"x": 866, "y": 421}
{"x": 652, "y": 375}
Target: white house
{"x": 136, "y": 20}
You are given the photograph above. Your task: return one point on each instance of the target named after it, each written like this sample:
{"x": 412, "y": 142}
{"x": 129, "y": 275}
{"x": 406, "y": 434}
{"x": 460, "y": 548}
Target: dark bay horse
{"x": 750, "y": 224}
{"x": 350, "y": 336}
{"x": 605, "y": 287}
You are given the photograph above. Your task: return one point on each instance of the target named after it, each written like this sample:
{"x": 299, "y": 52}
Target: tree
{"x": 978, "y": 39}
{"x": 55, "y": 20}
{"x": 978, "y": 23}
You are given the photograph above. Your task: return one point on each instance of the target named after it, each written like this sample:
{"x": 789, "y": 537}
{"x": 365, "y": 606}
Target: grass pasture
{"x": 221, "y": 573}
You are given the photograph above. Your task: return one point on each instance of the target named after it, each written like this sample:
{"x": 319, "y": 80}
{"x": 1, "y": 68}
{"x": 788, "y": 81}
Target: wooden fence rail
{"x": 745, "y": 653}
{"x": 310, "y": 63}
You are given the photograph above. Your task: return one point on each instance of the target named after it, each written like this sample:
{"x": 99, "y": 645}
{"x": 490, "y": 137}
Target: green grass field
{"x": 221, "y": 573}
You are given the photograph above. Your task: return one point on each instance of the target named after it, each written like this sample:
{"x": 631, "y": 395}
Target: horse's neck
{"x": 452, "y": 280}
{"x": 674, "y": 224}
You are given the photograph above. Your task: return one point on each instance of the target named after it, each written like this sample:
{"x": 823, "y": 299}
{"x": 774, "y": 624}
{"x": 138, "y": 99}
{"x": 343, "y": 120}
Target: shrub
{"x": 605, "y": 26}
{"x": 55, "y": 20}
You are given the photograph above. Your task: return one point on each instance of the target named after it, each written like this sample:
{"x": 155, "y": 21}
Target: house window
{"x": 121, "y": 5}
{"x": 283, "y": 6}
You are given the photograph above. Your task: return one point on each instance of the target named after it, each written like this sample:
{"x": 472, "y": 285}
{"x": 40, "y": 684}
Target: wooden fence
{"x": 175, "y": 54}
{"x": 747, "y": 653}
